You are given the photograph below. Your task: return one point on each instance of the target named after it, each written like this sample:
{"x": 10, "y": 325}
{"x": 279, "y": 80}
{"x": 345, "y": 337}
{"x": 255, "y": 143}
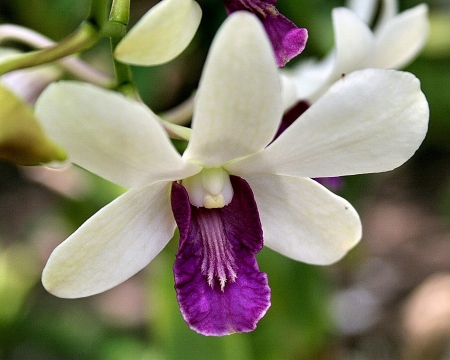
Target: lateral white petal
{"x": 110, "y": 135}
{"x": 113, "y": 245}
{"x": 402, "y": 38}
{"x": 372, "y": 120}
{"x": 303, "y": 220}
{"x": 161, "y": 34}
{"x": 238, "y": 104}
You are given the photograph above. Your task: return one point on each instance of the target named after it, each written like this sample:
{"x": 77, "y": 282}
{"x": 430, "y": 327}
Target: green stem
{"x": 116, "y": 30}
{"x": 83, "y": 38}
{"x": 122, "y": 71}
{"x": 99, "y": 12}
{"x": 120, "y": 11}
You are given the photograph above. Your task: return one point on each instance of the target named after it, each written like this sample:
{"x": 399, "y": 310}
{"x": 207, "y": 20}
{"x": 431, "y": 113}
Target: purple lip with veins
{"x": 219, "y": 287}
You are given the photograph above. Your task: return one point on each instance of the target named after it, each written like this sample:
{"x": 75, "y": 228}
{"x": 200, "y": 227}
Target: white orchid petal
{"x": 29, "y": 83}
{"x": 161, "y": 34}
{"x": 372, "y": 120}
{"x": 354, "y": 50}
{"x": 311, "y": 76}
{"x": 389, "y": 9}
{"x": 365, "y": 9}
{"x": 110, "y": 135}
{"x": 303, "y": 220}
{"x": 402, "y": 38}
{"x": 354, "y": 42}
{"x": 113, "y": 245}
{"x": 238, "y": 104}
{"x": 289, "y": 91}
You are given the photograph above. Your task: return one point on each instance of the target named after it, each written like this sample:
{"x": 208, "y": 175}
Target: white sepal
{"x": 303, "y": 220}
{"x": 113, "y": 245}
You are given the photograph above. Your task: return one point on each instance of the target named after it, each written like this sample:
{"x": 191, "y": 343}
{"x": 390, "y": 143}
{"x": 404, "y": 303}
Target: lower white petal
{"x": 161, "y": 34}
{"x": 113, "y": 245}
{"x": 303, "y": 220}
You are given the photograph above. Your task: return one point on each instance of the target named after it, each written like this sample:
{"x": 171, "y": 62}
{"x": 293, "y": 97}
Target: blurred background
{"x": 389, "y": 298}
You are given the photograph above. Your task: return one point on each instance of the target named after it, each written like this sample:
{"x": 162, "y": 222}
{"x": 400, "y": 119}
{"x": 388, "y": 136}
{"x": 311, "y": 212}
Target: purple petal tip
{"x": 287, "y": 39}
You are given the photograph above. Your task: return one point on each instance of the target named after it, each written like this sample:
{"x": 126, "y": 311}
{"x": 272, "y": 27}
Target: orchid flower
{"x": 394, "y": 42}
{"x": 230, "y": 192}
{"x": 168, "y": 28}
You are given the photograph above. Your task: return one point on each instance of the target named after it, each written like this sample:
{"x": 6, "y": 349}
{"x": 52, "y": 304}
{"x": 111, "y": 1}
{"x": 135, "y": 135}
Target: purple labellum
{"x": 287, "y": 39}
{"x": 219, "y": 287}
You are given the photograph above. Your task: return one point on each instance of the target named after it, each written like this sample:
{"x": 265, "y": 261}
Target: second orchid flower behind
{"x": 395, "y": 41}
{"x": 230, "y": 192}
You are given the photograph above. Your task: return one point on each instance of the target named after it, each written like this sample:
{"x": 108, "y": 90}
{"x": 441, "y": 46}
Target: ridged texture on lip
{"x": 219, "y": 287}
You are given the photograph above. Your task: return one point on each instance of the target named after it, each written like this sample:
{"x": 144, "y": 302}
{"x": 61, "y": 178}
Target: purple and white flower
{"x": 230, "y": 192}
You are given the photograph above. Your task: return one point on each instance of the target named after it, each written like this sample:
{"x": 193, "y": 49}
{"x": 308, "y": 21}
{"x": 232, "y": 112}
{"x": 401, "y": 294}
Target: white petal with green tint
{"x": 113, "y": 245}
{"x": 161, "y": 34}
{"x": 110, "y": 135}
{"x": 303, "y": 220}
{"x": 238, "y": 104}
{"x": 372, "y": 120}
{"x": 402, "y": 38}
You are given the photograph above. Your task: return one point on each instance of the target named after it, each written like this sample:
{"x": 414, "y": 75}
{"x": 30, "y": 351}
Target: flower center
{"x": 218, "y": 257}
{"x": 211, "y": 188}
